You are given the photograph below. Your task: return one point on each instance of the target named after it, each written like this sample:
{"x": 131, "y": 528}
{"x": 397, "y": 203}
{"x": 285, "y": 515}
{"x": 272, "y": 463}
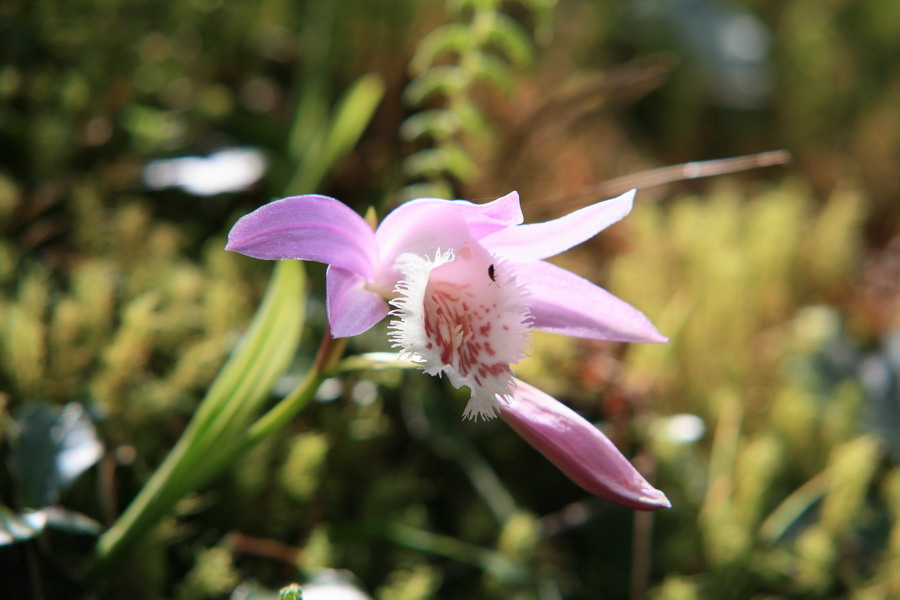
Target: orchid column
{"x": 467, "y": 283}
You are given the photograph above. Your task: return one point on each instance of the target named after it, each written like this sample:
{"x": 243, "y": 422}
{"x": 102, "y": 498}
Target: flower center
{"x": 462, "y": 314}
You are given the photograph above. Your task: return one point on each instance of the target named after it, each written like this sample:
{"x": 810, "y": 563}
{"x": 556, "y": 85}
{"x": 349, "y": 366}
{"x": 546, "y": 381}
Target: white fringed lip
{"x": 462, "y": 314}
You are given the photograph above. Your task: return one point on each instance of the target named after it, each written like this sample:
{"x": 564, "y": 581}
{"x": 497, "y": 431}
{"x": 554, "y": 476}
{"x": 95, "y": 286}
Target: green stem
{"x": 146, "y": 510}
{"x": 219, "y": 433}
{"x": 330, "y": 352}
{"x": 186, "y": 475}
{"x": 491, "y": 561}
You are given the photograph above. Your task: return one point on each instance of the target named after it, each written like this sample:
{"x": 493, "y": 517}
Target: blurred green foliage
{"x": 482, "y": 46}
{"x": 791, "y": 494}
{"x": 779, "y": 293}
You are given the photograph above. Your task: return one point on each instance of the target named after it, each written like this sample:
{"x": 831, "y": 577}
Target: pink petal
{"x": 352, "y": 309}
{"x": 537, "y": 241}
{"x": 505, "y": 209}
{"x": 307, "y": 228}
{"x": 562, "y": 302}
{"x": 423, "y": 234}
{"x": 578, "y": 449}
{"x": 442, "y": 224}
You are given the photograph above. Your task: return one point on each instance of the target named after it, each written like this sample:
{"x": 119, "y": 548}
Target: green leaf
{"x": 459, "y": 164}
{"x": 455, "y": 37}
{"x": 339, "y": 135}
{"x": 439, "y": 81}
{"x": 473, "y": 122}
{"x": 320, "y": 47}
{"x": 263, "y": 355}
{"x": 222, "y": 417}
{"x": 437, "y": 124}
{"x": 491, "y": 561}
{"x": 351, "y": 117}
{"x": 493, "y": 70}
{"x": 512, "y": 39}
{"x": 424, "y": 163}
{"x": 450, "y": 158}
{"x": 487, "y": 5}
{"x": 543, "y": 18}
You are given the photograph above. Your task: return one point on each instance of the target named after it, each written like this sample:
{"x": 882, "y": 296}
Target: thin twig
{"x": 681, "y": 172}
{"x": 247, "y": 545}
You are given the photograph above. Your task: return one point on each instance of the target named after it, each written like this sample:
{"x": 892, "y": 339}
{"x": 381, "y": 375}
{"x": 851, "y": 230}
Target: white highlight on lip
{"x": 452, "y": 318}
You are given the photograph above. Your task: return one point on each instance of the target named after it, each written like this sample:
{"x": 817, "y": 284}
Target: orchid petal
{"x": 505, "y": 209}
{"x": 562, "y": 302}
{"x": 578, "y": 449}
{"x": 308, "y": 227}
{"x": 432, "y": 232}
{"x": 478, "y": 220}
{"x": 352, "y": 309}
{"x": 537, "y": 241}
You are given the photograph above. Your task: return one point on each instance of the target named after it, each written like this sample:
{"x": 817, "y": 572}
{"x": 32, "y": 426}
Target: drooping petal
{"x": 537, "y": 241}
{"x": 578, "y": 449}
{"x": 352, "y": 309}
{"x": 307, "y": 228}
{"x": 562, "y": 302}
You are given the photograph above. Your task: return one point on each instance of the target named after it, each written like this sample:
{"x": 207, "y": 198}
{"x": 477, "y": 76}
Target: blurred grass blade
{"x": 321, "y": 49}
{"x": 352, "y": 115}
{"x": 263, "y": 355}
{"x": 242, "y": 385}
{"x": 787, "y": 514}
{"x": 346, "y": 125}
{"x": 497, "y": 564}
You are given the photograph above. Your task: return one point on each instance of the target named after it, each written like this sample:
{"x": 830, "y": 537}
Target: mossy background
{"x": 778, "y": 288}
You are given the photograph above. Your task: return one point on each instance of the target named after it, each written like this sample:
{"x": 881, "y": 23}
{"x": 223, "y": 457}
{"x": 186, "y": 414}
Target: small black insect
{"x": 492, "y": 274}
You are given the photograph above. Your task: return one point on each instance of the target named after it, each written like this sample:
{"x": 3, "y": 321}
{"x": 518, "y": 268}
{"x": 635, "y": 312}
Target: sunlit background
{"x": 133, "y": 133}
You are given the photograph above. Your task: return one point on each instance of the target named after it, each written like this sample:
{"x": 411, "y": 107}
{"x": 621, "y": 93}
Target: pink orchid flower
{"x": 467, "y": 283}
